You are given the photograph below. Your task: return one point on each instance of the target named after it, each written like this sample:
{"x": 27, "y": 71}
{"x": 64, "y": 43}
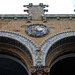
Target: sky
{"x": 55, "y": 6}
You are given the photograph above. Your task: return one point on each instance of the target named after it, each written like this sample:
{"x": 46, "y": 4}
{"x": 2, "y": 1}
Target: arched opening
{"x": 11, "y": 66}
{"x": 61, "y": 57}
{"x": 13, "y": 51}
{"x": 59, "y": 47}
{"x": 17, "y": 46}
{"x": 57, "y": 44}
{"x": 15, "y": 43}
{"x": 63, "y": 65}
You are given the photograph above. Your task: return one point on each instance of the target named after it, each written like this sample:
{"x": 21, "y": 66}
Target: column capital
{"x": 39, "y": 70}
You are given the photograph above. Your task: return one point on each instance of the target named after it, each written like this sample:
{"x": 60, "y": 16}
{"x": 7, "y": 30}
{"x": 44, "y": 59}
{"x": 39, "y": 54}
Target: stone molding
{"x": 46, "y": 45}
{"x": 31, "y": 46}
{"x": 38, "y": 52}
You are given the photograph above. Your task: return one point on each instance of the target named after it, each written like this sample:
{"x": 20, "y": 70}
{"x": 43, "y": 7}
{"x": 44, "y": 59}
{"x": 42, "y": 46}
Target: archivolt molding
{"x": 38, "y": 53}
{"x": 30, "y": 45}
{"x": 46, "y": 45}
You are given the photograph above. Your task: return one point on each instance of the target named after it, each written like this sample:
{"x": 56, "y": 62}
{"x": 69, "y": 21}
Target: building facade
{"x": 37, "y": 43}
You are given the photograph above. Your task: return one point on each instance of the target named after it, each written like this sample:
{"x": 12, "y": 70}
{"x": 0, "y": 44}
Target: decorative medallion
{"x": 37, "y": 30}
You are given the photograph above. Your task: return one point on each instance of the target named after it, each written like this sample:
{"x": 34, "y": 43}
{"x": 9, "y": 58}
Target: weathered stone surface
{"x": 55, "y": 26}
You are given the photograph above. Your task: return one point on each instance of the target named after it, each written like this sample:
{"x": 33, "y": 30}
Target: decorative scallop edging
{"x": 24, "y": 40}
{"x": 45, "y": 46}
{"x": 32, "y": 47}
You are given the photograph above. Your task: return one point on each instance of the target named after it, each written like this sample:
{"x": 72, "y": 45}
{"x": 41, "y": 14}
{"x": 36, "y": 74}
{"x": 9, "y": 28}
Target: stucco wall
{"x": 55, "y": 26}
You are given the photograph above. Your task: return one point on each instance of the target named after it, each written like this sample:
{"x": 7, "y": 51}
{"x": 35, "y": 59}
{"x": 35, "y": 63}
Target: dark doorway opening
{"x": 65, "y": 66}
{"x": 11, "y": 67}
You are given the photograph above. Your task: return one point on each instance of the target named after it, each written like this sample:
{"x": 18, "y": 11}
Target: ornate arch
{"x": 20, "y": 41}
{"x": 46, "y": 46}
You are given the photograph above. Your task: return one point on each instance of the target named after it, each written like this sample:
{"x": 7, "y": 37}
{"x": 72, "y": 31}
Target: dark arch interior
{"x": 11, "y": 67}
{"x": 65, "y": 66}
{"x": 63, "y": 41}
{"x": 14, "y": 42}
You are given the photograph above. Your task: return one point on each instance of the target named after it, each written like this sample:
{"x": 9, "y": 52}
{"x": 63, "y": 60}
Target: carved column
{"x": 40, "y": 70}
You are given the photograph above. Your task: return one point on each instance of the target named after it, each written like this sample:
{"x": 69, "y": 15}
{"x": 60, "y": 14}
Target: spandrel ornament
{"x": 37, "y": 30}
